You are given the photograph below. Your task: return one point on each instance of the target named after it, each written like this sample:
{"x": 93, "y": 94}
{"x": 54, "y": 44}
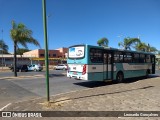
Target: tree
{"x": 141, "y": 46}
{"x": 103, "y": 42}
{"x": 20, "y": 34}
{"x": 144, "y": 47}
{"x": 129, "y": 42}
{"x": 20, "y": 51}
{"x": 3, "y": 47}
{"x": 151, "y": 49}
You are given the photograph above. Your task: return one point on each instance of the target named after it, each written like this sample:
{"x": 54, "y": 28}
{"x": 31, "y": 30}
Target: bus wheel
{"x": 119, "y": 77}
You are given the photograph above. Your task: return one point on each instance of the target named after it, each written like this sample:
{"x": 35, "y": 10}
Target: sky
{"x": 73, "y": 22}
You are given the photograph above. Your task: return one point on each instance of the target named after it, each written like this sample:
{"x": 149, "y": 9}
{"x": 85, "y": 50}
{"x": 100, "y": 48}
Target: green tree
{"x": 20, "y": 51}
{"x": 103, "y": 42}
{"x": 145, "y": 47}
{"x": 151, "y": 48}
{"x": 129, "y": 42}
{"x": 20, "y": 34}
{"x": 141, "y": 46}
{"x": 3, "y": 47}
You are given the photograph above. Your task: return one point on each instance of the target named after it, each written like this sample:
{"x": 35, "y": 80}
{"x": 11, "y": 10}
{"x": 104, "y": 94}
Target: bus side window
{"x": 116, "y": 57}
{"x": 142, "y": 58}
{"x": 136, "y": 58}
{"x": 96, "y": 55}
{"x": 121, "y": 58}
{"x": 148, "y": 58}
{"x": 109, "y": 58}
{"x": 128, "y": 58}
{"x": 105, "y": 58}
{"x": 152, "y": 59}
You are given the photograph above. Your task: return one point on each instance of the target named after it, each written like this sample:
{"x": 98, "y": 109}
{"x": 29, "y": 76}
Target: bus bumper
{"x": 79, "y": 77}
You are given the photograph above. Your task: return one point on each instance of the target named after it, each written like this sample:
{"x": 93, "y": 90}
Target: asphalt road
{"x": 20, "y": 89}
{"x": 29, "y": 73}
{"x": 14, "y": 90}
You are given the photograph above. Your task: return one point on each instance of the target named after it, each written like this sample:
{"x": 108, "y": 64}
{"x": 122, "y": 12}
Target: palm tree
{"x": 141, "y": 46}
{"x": 3, "y": 47}
{"x": 129, "y": 42}
{"x": 20, "y": 34}
{"x": 144, "y": 47}
{"x": 103, "y": 42}
{"x": 151, "y": 49}
{"x": 20, "y": 51}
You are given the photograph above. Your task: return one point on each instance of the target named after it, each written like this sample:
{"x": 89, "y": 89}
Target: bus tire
{"x": 119, "y": 77}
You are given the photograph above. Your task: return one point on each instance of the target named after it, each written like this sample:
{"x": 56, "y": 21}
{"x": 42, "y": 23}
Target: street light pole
{"x": 48, "y": 33}
{"x": 2, "y": 49}
{"x": 48, "y": 26}
{"x": 46, "y": 48}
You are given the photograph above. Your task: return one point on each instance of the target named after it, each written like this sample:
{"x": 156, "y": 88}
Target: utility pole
{"x": 48, "y": 34}
{"x": 46, "y": 48}
{"x": 2, "y": 49}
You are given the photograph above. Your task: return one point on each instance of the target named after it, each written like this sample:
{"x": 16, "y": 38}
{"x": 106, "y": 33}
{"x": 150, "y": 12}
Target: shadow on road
{"x": 56, "y": 75}
{"x": 102, "y": 94}
{"x": 131, "y": 80}
{"x": 93, "y": 84}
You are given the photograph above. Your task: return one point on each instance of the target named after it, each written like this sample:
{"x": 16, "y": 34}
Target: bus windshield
{"x": 76, "y": 52}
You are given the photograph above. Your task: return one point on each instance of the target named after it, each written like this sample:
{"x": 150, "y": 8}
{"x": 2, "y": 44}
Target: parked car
{"x": 60, "y": 67}
{"x": 35, "y": 67}
{"x": 21, "y": 68}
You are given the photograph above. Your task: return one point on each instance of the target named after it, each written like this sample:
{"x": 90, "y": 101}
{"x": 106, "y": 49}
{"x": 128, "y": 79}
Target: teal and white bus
{"x": 98, "y": 63}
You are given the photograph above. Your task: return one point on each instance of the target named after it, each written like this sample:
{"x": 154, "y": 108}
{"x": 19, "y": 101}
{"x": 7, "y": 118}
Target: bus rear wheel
{"x": 119, "y": 77}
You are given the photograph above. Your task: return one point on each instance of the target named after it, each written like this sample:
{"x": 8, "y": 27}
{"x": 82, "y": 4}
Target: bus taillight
{"x": 84, "y": 70}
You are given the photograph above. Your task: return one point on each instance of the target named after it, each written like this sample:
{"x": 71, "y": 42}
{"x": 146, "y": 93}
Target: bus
{"x": 97, "y": 63}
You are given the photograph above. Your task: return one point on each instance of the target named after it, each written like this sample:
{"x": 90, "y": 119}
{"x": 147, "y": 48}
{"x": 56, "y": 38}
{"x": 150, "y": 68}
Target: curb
{"x": 22, "y": 77}
{"x": 34, "y": 76}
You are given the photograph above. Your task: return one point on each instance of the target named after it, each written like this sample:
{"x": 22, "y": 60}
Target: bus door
{"x": 108, "y": 66}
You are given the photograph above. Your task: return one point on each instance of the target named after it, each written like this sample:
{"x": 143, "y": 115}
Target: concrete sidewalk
{"x": 141, "y": 95}
{"x": 4, "y": 69}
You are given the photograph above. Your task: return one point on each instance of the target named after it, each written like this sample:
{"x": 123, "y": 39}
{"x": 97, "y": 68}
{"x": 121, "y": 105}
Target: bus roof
{"x": 123, "y": 50}
{"x": 114, "y": 49}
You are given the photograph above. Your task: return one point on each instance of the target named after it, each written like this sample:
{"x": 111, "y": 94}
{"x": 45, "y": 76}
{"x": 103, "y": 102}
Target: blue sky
{"x": 84, "y": 21}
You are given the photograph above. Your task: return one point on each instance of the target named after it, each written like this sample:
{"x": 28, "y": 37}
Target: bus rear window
{"x": 76, "y": 52}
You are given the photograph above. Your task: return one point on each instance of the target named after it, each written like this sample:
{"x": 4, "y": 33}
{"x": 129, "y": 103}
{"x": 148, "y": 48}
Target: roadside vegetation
{"x": 21, "y": 35}
{"x": 3, "y": 47}
{"x": 103, "y": 42}
{"x": 130, "y": 44}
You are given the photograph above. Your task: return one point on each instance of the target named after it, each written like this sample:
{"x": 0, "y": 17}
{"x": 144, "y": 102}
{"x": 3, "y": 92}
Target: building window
{"x": 41, "y": 55}
{"x": 54, "y": 55}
